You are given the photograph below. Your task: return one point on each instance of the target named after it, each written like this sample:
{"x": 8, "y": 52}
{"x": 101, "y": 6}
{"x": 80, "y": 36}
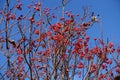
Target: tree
{"x": 39, "y": 44}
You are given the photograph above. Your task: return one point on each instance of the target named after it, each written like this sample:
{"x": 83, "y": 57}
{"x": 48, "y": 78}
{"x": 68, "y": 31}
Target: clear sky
{"x": 109, "y": 11}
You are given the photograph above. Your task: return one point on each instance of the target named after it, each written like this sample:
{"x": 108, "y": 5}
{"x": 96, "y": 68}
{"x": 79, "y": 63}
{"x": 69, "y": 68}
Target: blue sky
{"x": 109, "y": 11}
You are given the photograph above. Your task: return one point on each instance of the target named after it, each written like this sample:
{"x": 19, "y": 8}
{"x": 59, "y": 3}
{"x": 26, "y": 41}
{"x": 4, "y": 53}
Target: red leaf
{"x": 36, "y": 32}
{"x": 111, "y": 44}
{"x": 80, "y": 65}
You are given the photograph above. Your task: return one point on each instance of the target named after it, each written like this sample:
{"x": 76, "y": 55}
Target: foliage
{"x": 48, "y": 46}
